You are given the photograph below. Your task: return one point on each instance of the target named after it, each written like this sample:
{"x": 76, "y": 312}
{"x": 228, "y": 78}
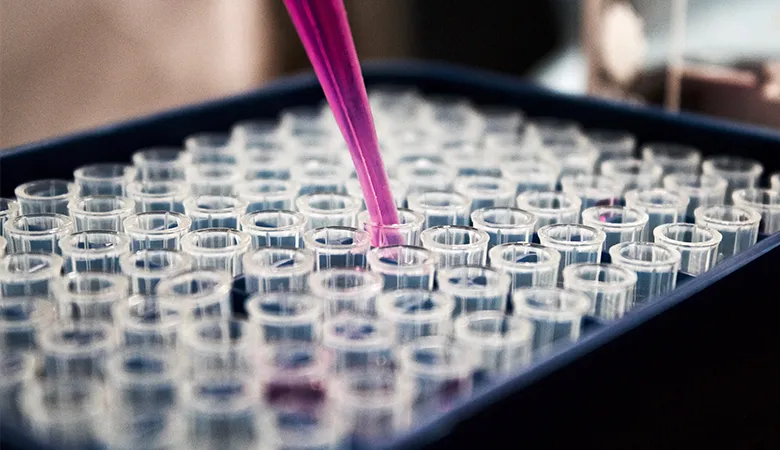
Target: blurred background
{"x": 72, "y": 65}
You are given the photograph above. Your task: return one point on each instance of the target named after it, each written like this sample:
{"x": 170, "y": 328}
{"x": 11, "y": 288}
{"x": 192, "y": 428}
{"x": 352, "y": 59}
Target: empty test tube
{"x": 660, "y": 205}
{"x": 405, "y": 232}
{"x": 3, "y": 246}
{"x": 147, "y": 321}
{"x": 160, "y": 164}
{"x": 274, "y": 228}
{"x": 89, "y": 295}
{"x": 285, "y": 317}
{"x": 93, "y": 251}
{"x": 37, "y": 232}
{"x": 698, "y": 245}
{"x": 347, "y": 290}
{"x": 263, "y": 195}
{"x": 619, "y": 224}
{"x": 611, "y": 144}
{"x": 326, "y": 210}
{"x": 266, "y": 163}
{"x": 575, "y": 243}
{"x": 673, "y": 158}
{"x": 486, "y": 192}
{"x": 403, "y": 267}
{"x": 573, "y": 156}
{"x": 556, "y": 314}
{"x": 504, "y": 224}
{"x": 501, "y": 343}
{"x": 76, "y": 348}
{"x": 45, "y": 196}
{"x": 702, "y": 190}
{"x": 214, "y": 179}
{"x": 141, "y": 381}
{"x": 219, "y": 249}
{"x": 397, "y": 189}
{"x": 763, "y": 201}
{"x": 198, "y": 294}
{"x": 740, "y": 173}
{"x": 102, "y": 179}
{"x": 530, "y": 172}
{"x": 278, "y": 270}
{"x": 294, "y": 377}
{"x": 633, "y": 173}
{"x": 102, "y": 212}
{"x": 147, "y": 267}
{"x": 528, "y": 265}
{"x": 17, "y": 370}
{"x": 737, "y": 225}
{"x": 156, "y": 230}
{"x": 165, "y": 196}
{"x": 553, "y": 130}
{"x": 456, "y": 245}
{"x": 220, "y": 345}
{"x": 416, "y": 313}
{"x": 213, "y": 211}
{"x": 8, "y": 209}
{"x": 441, "y": 371}
{"x": 21, "y": 319}
{"x": 320, "y": 177}
{"x": 28, "y": 274}
{"x": 774, "y": 183}
{"x": 253, "y": 132}
{"x": 610, "y": 288}
{"x": 593, "y": 190}
{"x": 337, "y": 246}
{"x": 656, "y": 266}
{"x": 210, "y": 147}
{"x": 441, "y": 208}
{"x": 550, "y": 207}
{"x": 358, "y": 342}
{"x": 475, "y": 288}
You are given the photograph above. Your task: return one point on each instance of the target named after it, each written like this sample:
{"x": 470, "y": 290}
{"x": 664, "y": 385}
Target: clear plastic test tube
{"x": 93, "y": 251}
{"x": 220, "y": 345}
{"x": 266, "y": 163}
{"x": 277, "y": 269}
{"x": 403, "y": 267}
{"x": 612, "y": 144}
{"x": 573, "y": 156}
{"x": 214, "y": 179}
{"x": 102, "y": 212}
{"x": 656, "y": 266}
{"x": 89, "y": 295}
{"x": 207, "y": 147}
{"x": 593, "y": 190}
{"x": 416, "y": 313}
{"x": 774, "y": 182}
{"x": 550, "y": 207}
{"x": 702, "y": 190}
{"x": 3, "y": 246}
{"x": 405, "y": 232}
{"x": 660, "y": 205}
{"x": 763, "y": 201}
{"x": 140, "y": 381}
{"x": 610, "y": 288}
{"x": 504, "y": 224}
{"x": 475, "y": 288}
{"x": 423, "y": 176}
{"x": 21, "y": 319}
{"x": 262, "y": 195}
{"x": 214, "y": 211}
{"x": 285, "y": 317}
{"x": 397, "y": 189}
{"x": 28, "y": 274}
{"x": 76, "y": 348}
{"x": 673, "y": 158}
{"x": 219, "y": 249}
{"x": 501, "y": 343}
{"x": 486, "y": 192}
{"x": 737, "y": 225}
{"x": 347, "y": 290}
{"x": 634, "y": 173}
{"x": 102, "y": 179}
{"x": 740, "y": 173}
{"x": 698, "y": 245}
{"x": 320, "y": 177}
{"x": 528, "y": 265}
{"x": 17, "y": 370}
{"x": 147, "y": 321}
{"x": 37, "y": 232}
{"x": 556, "y": 314}
{"x": 198, "y": 294}
{"x": 328, "y": 209}
{"x": 358, "y": 342}
{"x": 8, "y": 209}
{"x": 337, "y": 246}
{"x": 441, "y": 208}
{"x": 575, "y": 243}
{"x": 619, "y": 224}
{"x": 158, "y": 195}
{"x": 156, "y": 230}
{"x": 441, "y": 371}
{"x": 146, "y": 268}
{"x": 274, "y": 228}
{"x": 160, "y": 164}
{"x": 45, "y": 196}
{"x": 530, "y": 173}
{"x": 456, "y": 245}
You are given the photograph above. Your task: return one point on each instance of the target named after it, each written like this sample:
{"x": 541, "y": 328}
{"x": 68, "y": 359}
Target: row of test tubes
{"x": 235, "y": 293}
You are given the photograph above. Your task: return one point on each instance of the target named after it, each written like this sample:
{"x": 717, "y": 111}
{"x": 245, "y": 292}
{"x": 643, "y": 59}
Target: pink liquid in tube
{"x": 323, "y": 28}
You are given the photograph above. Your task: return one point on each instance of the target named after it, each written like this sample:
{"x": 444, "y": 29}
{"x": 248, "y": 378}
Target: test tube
{"x": 37, "y": 232}
{"x": 500, "y": 343}
{"x": 619, "y": 224}
{"x": 656, "y": 266}
{"x": 740, "y": 173}
{"x": 475, "y": 288}
{"x": 220, "y": 345}
{"x": 198, "y": 294}
{"x": 702, "y": 190}
{"x": 210, "y": 146}
{"x": 214, "y": 179}
{"x": 45, "y": 196}
{"x": 285, "y": 317}
{"x": 213, "y": 211}
{"x": 147, "y": 321}
{"x": 426, "y": 177}
{"x": 504, "y": 224}
{"x": 76, "y": 348}
{"x": 552, "y": 130}
{"x": 276, "y": 269}
{"x": 320, "y": 178}
{"x": 140, "y": 381}
{"x": 160, "y": 164}
{"x": 165, "y": 196}
{"x": 403, "y": 267}
{"x": 397, "y": 189}
{"x": 697, "y": 245}
{"x": 441, "y": 208}
{"x": 21, "y": 319}
{"x": 28, "y": 274}
{"x": 555, "y": 313}
{"x": 262, "y": 195}
{"x": 93, "y": 251}
{"x": 774, "y": 183}
{"x": 102, "y": 212}
{"x": 737, "y": 225}
{"x": 416, "y": 313}
{"x": 89, "y": 295}
{"x": 274, "y": 228}
{"x": 528, "y": 265}
{"x": 328, "y": 209}
{"x": 593, "y": 190}
{"x": 405, "y": 232}
{"x": 347, "y": 290}
{"x": 3, "y": 243}
{"x": 102, "y": 179}
{"x": 453, "y": 245}
{"x": 219, "y": 249}
{"x": 660, "y": 205}
{"x": 531, "y": 173}
{"x": 17, "y": 370}
{"x": 763, "y": 201}
{"x": 673, "y": 158}
{"x": 486, "y": 192}
{"x": 337, "y": 246}
{"x": 358, "y": 342}
{"x": 550, "y": 207}
{"x": 146, "y": 268}
{"x": 156, "y": 230}
{"x": 612, "y": 144}
{"x": 252, "y": 132}
{"x": 610, "y": 288}
{"x": 573, "y": 156}
{"x": 634, "y": 173}
{"x": 8, "y": 209}
{"x": 266, "y": 163}
{"x": 156, "y": 429}
{"x": 575, "y": 243}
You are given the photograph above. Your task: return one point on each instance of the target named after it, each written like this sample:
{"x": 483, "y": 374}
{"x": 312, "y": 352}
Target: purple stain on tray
{"x": 295, "y": 394}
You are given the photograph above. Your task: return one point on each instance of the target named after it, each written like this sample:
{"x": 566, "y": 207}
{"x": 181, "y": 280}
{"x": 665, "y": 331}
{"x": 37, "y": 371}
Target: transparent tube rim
{"x": 504, "y": 187}
{"x": 738, "y": 197}
{"x": 31, "y": 402}
{"x": 571, "y": 278}
{"x": 361, "y": 240}
{"x": 465, "y": 360}
{"x": 677, "y": 204}
{"x": 373, "y": 285}
{"x": 255, "y": 313}
{"x": 401, "y": 398}
{"x": 575, "y": 203}
{"x": 69, "y": 244}
{"x": 383, "y": 338}
{"x": 599, "y": 236}
{"x": 352, "y": 205}
{"x": 590, "y": 215}
{"x": 482, "y": 238}
{"x": 754, "y": 218}
{"x": 140, "y": 159}
{"x": 121, "y": 313}
{"x": 80, "y": 173}
{"x": 127, "y": 262}
{"x": 478, "y": 219}
{"x": 116, "y": 374}
{"x": 306, "y": 265}
{"x": 183, "y": 223}
{"x": 267, "y": 360}
{"x": 612, "y": 185}
{"x": 691, "y": 154}
{"x": 412, "y": 220}
{"x": 673, "y": 183}
{"x": 578, "y": 309}
{"x": 222, "y": 284}
{"x": 75, "y": 206}
{"x": 385, "y": 305}
{"x": 522, "y": 330}
{"x": 135, "y": 189}
{"x": 44, "y": 313}
{"x": 755, "y": 169}
{"x": 552, "y": 260}
{"x": 290, "y": 191}
{"x": 247, "y": 402}
{"x": 712, "y": 242}
{"x": 415, "y": 202}
{"x": 499, "y": 287}
{"x": 428, "y": 266}
{"x": 52, "y": 270}
{"x": 247, "y": 221}
{"x": 191, "y": 205}
{"x": 12, "y": 206}
{"x": 65, "y": 225}
{"x": 21, "y": 193}
{"x": 616, "y": 168}
{"x": 119, "y": 287}
{"x": 188, "y": 244}
{"x": 26, "y": 372}
{"x": 618, "y": 259}
{"x": 190, "y": 338}
{"x": 49, "y": 345}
